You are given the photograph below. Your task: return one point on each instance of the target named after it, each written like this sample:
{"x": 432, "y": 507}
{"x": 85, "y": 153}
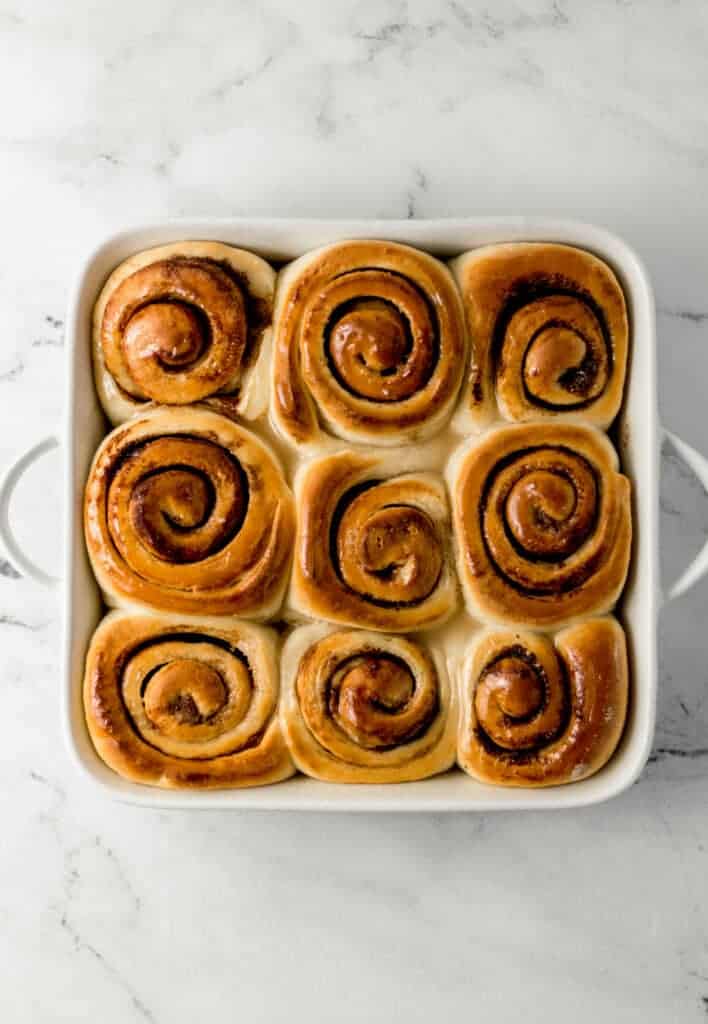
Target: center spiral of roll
{"x": 172, "y": 334}
{"x": 557, "y": 347}
{"x": 372, "y": 351}
{"x": 377, "y": 333}
{"x": 175, "y": 331}
{"x": 179, "y": 498}
{"x": 519, "y": 703}
{"x": 387, "y": 550}
{"x": 362, "y": 700}
{"x": 540, "y": 509}
{"x": 191, "y": 697}
{"x": 373, "y": 700}
{"x": 185, "y": 692}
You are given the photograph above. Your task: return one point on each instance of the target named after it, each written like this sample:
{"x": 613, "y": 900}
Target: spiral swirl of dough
{"x": 186, "y": 511}
{"x": 184, "y": 323}
{"x": 362, "y": 707}
{"x": 538, "y": 711}
{"x": 549, "y": 334}
{"x": 185, "y": 705}
{"x": 372, "y": 547}
{"x": 369, "y": 345}
{"x": 543, "y": 524}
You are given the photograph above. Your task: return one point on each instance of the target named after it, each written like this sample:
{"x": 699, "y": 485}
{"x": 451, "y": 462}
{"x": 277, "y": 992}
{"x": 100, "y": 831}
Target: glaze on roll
{"x": 185, "y": 323}
{"x": 361, "y": 707}
{"x": 369, "y": 345}
{"x": 185, "y": 704}
{"x": 548, "y": 333}
{"x": 542, "y": 711}
{"x": 187, "y": 511}
{"x": 542, "y": 524}
{"x": 372, "y": 545}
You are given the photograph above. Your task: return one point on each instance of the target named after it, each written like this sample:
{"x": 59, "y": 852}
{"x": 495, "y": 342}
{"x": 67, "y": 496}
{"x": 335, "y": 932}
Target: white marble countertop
{"x": 121, "y": 112}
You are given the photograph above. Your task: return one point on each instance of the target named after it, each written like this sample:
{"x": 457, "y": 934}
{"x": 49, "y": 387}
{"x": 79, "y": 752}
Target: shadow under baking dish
{"x": 636, "y": 436}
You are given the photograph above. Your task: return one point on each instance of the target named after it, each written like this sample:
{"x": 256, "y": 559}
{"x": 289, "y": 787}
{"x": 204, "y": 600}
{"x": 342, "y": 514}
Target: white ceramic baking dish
{"x": 637, "y": 435}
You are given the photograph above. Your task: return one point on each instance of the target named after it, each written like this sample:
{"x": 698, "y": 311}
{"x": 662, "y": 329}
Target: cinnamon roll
{"x": 184, "y": 323}
{"x": 369, "y": 345}
{"x": 542, "y": 711}
{"x": 542, "y": 524}
{"x": 185, "y": 705}
{"x": 361, "y": 707}
{"x": 186, "y": 511}
{"x": 372, "y": 545}
{"x": 549, "y": 334}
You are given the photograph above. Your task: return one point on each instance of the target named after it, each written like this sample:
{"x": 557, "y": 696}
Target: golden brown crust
{"x": 185, "y": 705}
{"x": 362, "y": 707}
{"x": 548, "y": 332}
{"x": 540, "y": 711}
{"x": 184, "y": 323}
{"x": 369, "y": 345}
{"x": 372, "y": 545}
{"x": 187, "y": 511}
{"x": 542, "y": 524}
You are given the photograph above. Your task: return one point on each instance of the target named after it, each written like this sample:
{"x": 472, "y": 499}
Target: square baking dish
{"x": 636, "y": 435}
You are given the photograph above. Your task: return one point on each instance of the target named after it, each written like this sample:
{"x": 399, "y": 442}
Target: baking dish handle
{"x": 8, "y": 483}
{"x": 699, "y": 566}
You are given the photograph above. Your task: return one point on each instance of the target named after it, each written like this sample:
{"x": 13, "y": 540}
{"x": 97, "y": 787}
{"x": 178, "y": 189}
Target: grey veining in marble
{"x": 119, "y": 112}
